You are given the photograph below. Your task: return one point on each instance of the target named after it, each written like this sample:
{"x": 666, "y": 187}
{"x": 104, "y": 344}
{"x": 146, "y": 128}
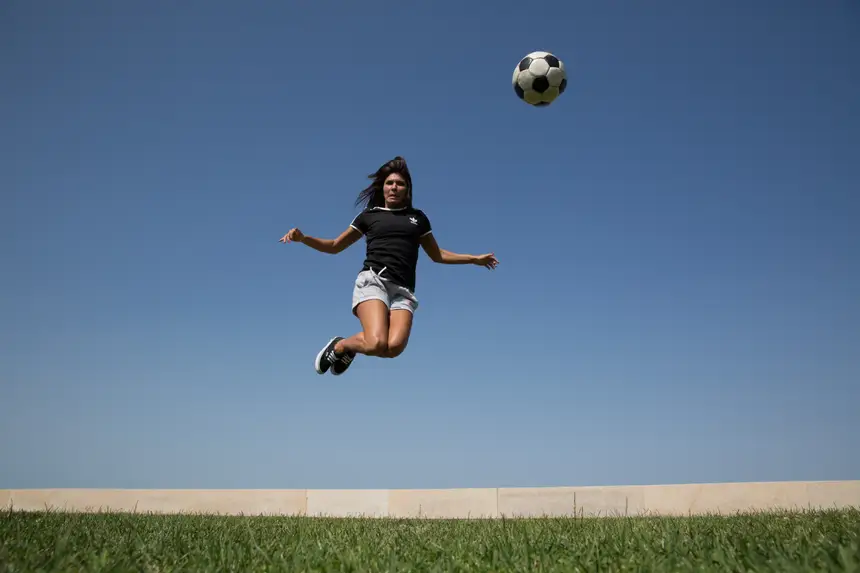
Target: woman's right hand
{"x": 293, "y": 235}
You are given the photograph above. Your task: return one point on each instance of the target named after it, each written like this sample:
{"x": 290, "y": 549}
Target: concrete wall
{"x": 724, "y": 498}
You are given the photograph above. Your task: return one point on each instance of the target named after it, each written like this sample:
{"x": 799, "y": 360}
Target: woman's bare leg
{"x": 398, "y": 332}
{"x": 373, "y": 339}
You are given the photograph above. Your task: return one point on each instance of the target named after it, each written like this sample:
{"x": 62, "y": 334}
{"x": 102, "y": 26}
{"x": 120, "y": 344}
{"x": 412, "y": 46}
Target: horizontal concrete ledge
{"x": 679, "y": 499}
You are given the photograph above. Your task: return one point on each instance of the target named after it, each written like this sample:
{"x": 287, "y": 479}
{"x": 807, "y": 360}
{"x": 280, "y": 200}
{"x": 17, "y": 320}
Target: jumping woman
{"x": 383, "y": 297}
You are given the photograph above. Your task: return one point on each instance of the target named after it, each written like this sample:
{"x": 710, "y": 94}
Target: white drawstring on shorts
{"x": 378, "y": 275}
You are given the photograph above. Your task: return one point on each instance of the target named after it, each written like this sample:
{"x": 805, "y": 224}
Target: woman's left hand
{"x": 489, "y": 260}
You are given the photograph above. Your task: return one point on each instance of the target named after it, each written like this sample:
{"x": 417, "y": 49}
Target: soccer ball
{"x": 539, "y": 79}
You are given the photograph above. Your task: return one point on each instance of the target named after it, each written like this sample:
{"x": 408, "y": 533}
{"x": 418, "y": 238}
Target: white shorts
{"x": 369, "y": 286}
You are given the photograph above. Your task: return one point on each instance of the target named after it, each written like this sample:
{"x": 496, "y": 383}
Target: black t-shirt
{"x": 393, "y": 237}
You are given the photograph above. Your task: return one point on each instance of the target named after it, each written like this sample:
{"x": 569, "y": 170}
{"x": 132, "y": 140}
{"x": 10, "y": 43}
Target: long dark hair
{"x": 372, "y": 195}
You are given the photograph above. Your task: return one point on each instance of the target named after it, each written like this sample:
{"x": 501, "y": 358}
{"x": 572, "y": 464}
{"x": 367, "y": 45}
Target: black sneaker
{"x": 326, "y": 356}
{"x": 342, "y": 362}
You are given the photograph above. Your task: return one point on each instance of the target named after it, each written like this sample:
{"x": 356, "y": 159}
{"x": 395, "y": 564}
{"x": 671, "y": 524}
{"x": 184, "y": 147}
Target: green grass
{"x": 54, "y": 541}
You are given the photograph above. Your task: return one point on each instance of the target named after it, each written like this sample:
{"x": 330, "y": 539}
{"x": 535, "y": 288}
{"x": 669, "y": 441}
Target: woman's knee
{"x": 375, "y": 344}
{"x": 396, "y": 348}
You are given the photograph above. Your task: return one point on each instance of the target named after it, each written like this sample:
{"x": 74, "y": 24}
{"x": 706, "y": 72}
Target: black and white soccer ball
{"x": 539, "y": 78}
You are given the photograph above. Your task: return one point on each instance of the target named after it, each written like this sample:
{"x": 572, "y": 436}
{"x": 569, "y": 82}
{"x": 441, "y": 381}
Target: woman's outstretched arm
{"x": 439, "y": 255}
{"x": 329, "y": 246}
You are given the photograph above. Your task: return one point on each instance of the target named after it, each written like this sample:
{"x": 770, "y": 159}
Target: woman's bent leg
{"x": 373, "y": 339}
{"x": 398, "y": 333}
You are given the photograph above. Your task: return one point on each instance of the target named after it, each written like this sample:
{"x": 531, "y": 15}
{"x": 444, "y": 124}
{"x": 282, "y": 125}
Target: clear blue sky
{"x": 678, "y": 298}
